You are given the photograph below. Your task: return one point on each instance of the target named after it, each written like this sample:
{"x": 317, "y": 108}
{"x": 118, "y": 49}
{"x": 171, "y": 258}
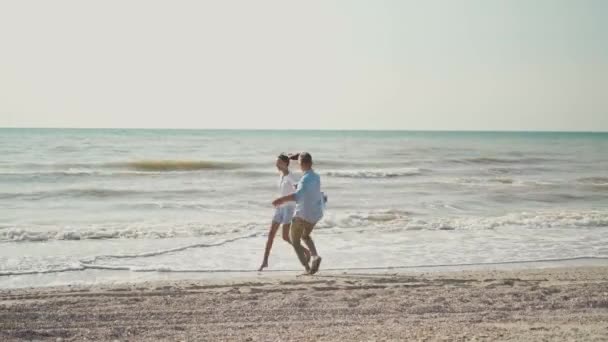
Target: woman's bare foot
{"x": 306, "y": 273}
{"x": 264, "y": 265}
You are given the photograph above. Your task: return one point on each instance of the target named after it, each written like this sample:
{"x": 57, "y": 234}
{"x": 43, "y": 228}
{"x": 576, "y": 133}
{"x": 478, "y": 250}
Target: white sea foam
{"x": 391, "y": 219}
{"x": 126, "y": 231}
{"x": 373, "y": 173}
{"x": 382, "y": 219}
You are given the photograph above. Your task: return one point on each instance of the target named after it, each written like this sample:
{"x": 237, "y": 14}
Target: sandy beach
{"x": 529, "y": 305}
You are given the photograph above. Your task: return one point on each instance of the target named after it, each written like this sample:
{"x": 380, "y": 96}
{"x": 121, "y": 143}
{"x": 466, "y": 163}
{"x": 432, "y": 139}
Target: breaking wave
{"x": 145, "y": 165}
{"x": 175, "y": 165}
{"x": 126, "y": 231}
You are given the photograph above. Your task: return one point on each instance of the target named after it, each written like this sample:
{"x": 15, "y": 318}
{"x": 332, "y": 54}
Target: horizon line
{"x": 309, "y": 129}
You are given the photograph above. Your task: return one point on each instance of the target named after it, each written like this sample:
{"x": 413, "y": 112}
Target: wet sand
{"x": 562, "y": 304}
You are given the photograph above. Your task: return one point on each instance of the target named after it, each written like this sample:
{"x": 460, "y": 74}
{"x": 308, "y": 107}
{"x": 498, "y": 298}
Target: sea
{"x": 86, "y": 206}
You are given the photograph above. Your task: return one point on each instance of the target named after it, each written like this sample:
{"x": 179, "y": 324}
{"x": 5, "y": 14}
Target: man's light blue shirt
{"x": 309, "y": 199}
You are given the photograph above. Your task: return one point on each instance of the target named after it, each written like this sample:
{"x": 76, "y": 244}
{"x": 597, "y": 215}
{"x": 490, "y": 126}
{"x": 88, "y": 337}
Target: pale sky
{"x": 438, "y": 65}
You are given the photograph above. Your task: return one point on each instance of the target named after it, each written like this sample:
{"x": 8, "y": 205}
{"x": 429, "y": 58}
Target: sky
{"x": 315, "y": 64}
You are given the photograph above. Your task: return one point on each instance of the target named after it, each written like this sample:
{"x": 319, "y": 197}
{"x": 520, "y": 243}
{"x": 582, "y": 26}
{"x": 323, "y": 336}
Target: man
{"x": 309, "y": 210}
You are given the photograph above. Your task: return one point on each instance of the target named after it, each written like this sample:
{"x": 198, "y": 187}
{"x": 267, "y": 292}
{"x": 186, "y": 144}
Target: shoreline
{"x": 565, "y": 303}
{"x": 93, "y": 276}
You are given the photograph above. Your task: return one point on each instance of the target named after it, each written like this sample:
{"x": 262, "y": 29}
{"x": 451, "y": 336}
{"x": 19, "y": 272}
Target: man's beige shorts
{"x": 300, "y": 229}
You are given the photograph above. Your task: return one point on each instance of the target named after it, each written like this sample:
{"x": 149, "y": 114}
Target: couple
{"x": 298, "y": 210}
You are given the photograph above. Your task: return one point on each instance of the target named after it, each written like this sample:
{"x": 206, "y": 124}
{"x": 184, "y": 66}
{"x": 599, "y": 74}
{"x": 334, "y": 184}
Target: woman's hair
{"x": 284, "y": 157}
{"x": 306, "y": 157}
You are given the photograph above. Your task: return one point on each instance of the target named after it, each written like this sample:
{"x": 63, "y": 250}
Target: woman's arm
{"x": 281, "y": 200}
{"x": 303, "y": 185}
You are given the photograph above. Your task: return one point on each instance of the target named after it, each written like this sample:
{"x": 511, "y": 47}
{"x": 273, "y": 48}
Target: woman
{"x": 283, "y": 213}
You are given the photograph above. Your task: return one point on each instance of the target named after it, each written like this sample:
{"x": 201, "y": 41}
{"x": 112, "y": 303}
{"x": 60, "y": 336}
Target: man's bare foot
{"x": 264, "y": 265}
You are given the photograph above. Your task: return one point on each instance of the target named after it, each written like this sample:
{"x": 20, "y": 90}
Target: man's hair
{"x": 306, "y": 158}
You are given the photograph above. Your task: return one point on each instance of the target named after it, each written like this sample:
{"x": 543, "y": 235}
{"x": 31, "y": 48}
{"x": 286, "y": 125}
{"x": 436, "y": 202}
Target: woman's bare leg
{"x": 271, "y": 234}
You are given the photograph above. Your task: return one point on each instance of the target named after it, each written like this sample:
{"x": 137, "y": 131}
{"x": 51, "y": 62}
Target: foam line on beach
{"x": 31, "y": 272}
{"x": 165, "y": 251}
{"x": 85, "y": 266}
{"x": 370, "y": 268}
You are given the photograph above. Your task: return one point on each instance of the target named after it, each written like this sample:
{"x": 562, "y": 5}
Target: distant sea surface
{"x": 75, "y": 203}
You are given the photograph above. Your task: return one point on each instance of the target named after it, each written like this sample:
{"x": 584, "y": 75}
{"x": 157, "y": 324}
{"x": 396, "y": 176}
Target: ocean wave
{"x": 164, "y": 205}
{"x": 123, "y": 231}
{"x": 393, "y": 219}
{"x": 495, "y": 181}
{"x": 98, "y": 193}
{"x": 517, "y": 170}
{"x": 373, "y": 173}
{"x": 350, "y": 163}
{"x": 175, "y": 165}
{"x": 145, "y": 165}
{"x": 26, "y": 235}
{"x": 598, "y": 180}
{"x": 362, "y": 219}
{"x": 75, "y": 173}
{"x": 403, "y": 220}
{"x": 529, "y": 220}
{"x": 497, "y": 160}
{"x": 482, "y": 181}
